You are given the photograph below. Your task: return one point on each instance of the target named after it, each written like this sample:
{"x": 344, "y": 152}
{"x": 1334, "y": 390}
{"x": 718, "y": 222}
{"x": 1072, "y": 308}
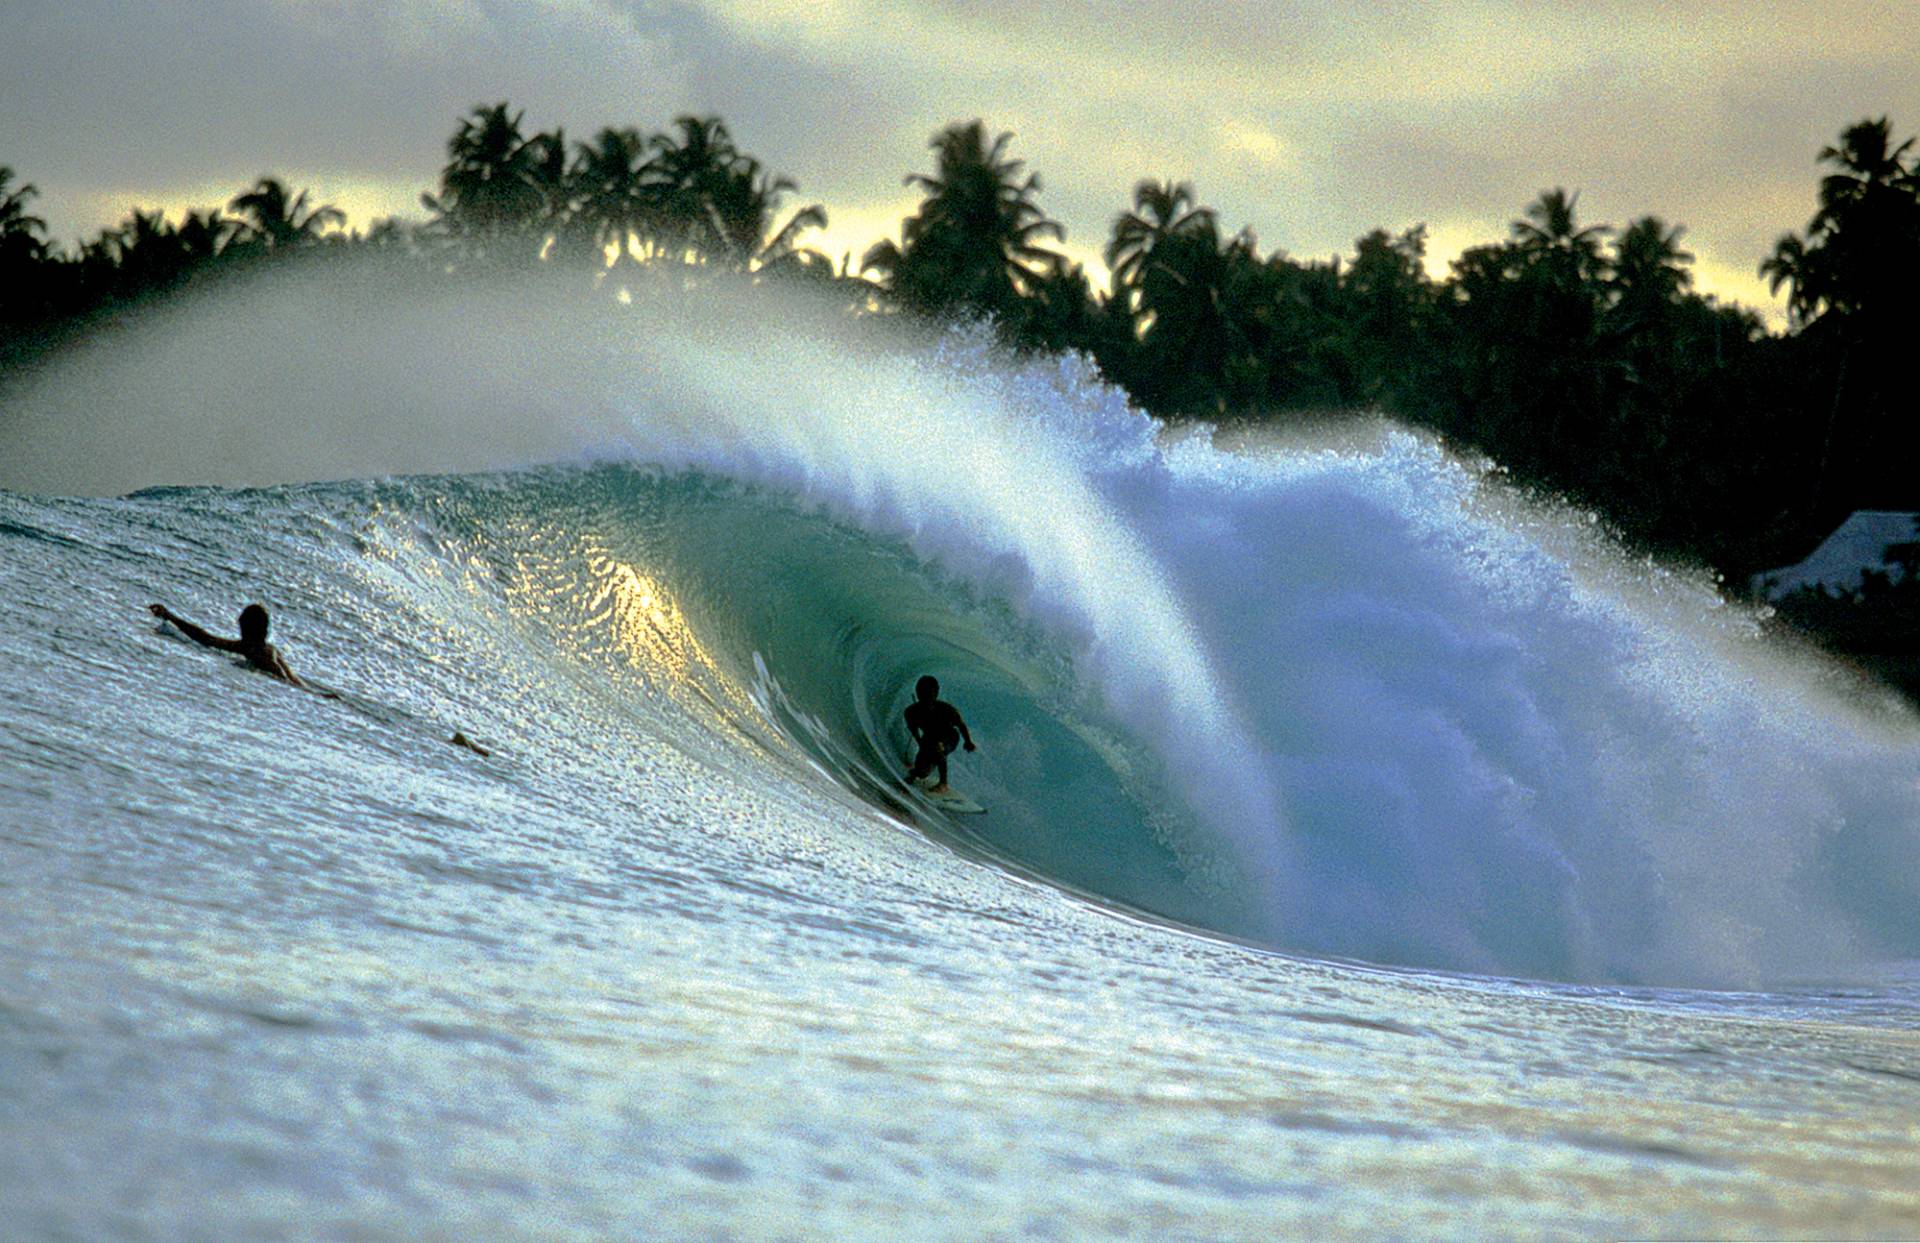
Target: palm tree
{"x": 1198, "y": 303}
{"x": 1867, "y": 166}
{"x": 203, "y": 235}
{"x": 742, "y": 204}
{"x": 1061, "y": 312}
{"x": 18, "y": 230}
{"x": 145, "y": 253}
{"x": 1642, "y": 337}
{"x": 1803, "y": 271}
{"x": 568, "y": 236}
{"x": 1852, "y": 283}
{"x": 973, "y": 244}
{"x": 1387, "y": 304}
{"x": 683, "y": 174}
{"x": 25, "y": 279}
{"x": 491, "y": 187}
{"x": 1561, "y": 270}
{"x": 1160, "y": 210}
{"x": 612, "y": 203}
{"x": 1550, "y": 233}
{"x": 1649, "y": 270}
{"x": 269, "y": 217}
{"x": 1862, "y": 247}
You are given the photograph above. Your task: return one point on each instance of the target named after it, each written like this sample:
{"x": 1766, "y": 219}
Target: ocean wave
{"x": 1344, "y": 696}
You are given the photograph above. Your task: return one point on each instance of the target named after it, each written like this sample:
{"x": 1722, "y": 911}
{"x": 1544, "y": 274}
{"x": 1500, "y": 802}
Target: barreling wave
{"x": 788, "y": 641}
{"x": 1346, "y": 698}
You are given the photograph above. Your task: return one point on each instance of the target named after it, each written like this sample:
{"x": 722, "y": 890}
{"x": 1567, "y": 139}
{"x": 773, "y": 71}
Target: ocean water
{"x": 1371, "y": 851}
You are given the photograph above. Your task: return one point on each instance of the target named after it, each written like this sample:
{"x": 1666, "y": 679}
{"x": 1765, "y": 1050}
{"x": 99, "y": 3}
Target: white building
{"x": 1857, "y": 545}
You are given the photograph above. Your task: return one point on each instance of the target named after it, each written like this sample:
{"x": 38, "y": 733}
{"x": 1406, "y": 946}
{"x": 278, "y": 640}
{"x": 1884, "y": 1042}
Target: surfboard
{"x": 955, "y": 802}
{"x": 952, "y": 800}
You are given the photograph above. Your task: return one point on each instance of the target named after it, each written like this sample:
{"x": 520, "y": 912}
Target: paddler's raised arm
{"x": 192, "y": 631}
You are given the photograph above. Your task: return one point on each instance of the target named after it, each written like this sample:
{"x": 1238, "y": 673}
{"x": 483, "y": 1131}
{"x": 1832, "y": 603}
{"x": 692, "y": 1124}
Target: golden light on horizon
{"x": 363, "y": 200}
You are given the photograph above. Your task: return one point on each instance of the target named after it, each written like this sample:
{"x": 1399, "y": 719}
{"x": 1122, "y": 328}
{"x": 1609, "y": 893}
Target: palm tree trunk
{"x": 1833, "y": 421}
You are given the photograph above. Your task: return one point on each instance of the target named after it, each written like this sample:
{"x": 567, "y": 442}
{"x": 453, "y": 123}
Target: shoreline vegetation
{"x": 1577, "y": 356}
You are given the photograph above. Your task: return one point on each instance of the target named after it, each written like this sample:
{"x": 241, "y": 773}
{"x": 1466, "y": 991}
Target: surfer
{"x": 251, "y": 646}
{"x": 936, "y": 726}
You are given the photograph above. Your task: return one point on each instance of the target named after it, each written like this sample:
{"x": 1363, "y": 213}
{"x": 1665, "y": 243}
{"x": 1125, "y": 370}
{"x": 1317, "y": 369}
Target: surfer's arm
{"x": 965, "y": 737}
{"x": 279, "y": 670}
{"x": 194, "y": 632}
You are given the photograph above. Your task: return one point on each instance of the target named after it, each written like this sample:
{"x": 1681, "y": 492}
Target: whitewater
{"x": 1373, "y": 850}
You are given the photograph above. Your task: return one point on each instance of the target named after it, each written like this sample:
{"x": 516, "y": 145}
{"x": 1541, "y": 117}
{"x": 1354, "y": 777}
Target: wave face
{"x": 1345, "y": 698}
{"x": 1356, "y": 701}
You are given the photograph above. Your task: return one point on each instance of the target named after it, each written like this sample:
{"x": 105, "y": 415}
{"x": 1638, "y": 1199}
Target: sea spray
{"x": 973, "y": 461}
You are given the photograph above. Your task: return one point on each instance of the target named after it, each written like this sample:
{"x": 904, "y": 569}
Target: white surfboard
{"x": 948, "y": 800}
{"x": 955, "y": 802}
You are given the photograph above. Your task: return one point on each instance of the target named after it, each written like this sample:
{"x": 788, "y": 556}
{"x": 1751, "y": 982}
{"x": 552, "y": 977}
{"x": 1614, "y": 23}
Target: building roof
{"x": 1856, "y": 545}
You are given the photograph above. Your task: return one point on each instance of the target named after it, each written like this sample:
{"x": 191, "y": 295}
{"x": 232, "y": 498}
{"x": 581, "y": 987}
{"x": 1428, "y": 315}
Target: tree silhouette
{"x": 1648, "y": 267}
{"x": 21, "y": 235}
{"x": 492, "y": 198}
{"x": 1161, "y": 209}
{"x": 973, "y": 245}
{"x": 1388, "y": 317}
{"x": 203, "y": 235}
{"x": 1792, "y": 266}
{"x": 562, "y": 232}
{"x": 1854, "y": 290}
{"x": 1195, "y": 302}
{"x": 685, "y": 171}
{"x": 23, "y": 251}
{"x": 742, "y": 204}
{"x": 613, "y": 199}
{"x": 1061, "y": 312}
{"x": 1549, "y": 237}
{"x": 148, "y": 253}
{"x": 1862, "y": 247}
{"x": 268, "y": 216}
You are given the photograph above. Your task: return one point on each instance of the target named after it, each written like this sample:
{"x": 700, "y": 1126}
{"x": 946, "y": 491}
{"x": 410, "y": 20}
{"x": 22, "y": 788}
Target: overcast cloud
{"x": 1311, "y": 122}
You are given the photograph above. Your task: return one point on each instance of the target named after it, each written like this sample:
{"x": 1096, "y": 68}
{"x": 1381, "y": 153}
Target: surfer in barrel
{"x": 937, "y": 727}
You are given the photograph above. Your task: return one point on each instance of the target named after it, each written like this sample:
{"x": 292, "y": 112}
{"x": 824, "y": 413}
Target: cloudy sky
{"x": 1308, "y": 120}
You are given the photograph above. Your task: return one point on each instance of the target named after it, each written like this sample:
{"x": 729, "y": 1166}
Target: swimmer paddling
{"x": 253, "y": 648}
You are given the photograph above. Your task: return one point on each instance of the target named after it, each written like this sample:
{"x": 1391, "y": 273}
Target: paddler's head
{"x": 927, "y": 688}
{"x": 253, "y": 624}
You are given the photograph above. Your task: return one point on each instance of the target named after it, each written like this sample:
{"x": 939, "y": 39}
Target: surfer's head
{"x": 253, "y": 624}
{"x": 927, "y": 688}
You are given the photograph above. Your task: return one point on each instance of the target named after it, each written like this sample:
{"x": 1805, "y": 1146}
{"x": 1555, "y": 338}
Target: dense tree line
{"x": 618, "y": 207}
{"x": 1579, "y": 357}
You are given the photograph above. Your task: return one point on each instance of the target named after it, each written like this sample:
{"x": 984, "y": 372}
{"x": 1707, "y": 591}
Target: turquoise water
{"x": 1370, "y": 853}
